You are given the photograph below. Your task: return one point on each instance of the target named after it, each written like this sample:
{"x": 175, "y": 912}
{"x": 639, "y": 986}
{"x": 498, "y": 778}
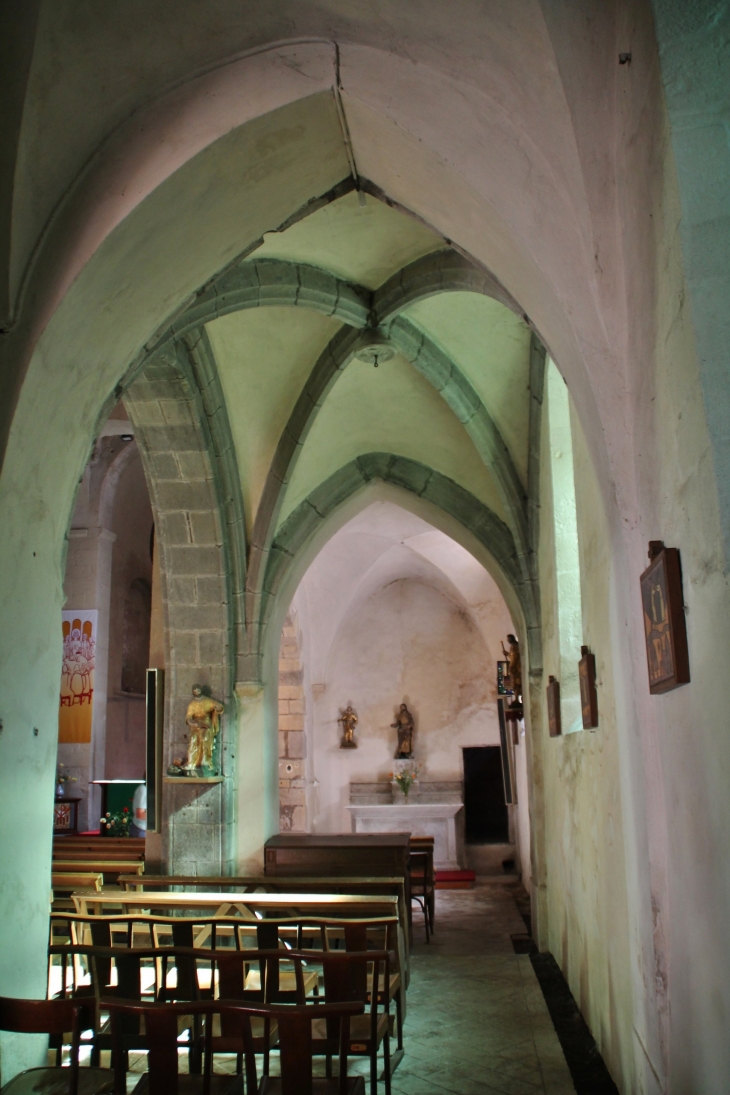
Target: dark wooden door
{"x": 485, "y": 811}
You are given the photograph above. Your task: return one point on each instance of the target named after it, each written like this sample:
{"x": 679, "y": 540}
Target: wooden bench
{"x": 132, "y": 846}
{"x": 110, "y": 869}
{"x": 368, "y": 855}
{"x": 64, "y": 884}
{"x": 80, "y": 855}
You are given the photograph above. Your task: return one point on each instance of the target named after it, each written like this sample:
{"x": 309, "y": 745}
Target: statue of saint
{"x": 404, "y": 725}
{"x": 513, "y": 677}
{"x": 349, "y": 721}
{"x": 203, "y": 718}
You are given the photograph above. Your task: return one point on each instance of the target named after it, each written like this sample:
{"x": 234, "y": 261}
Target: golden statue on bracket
{"x": 203, "y": 718}
{"x": 348, "y": 718}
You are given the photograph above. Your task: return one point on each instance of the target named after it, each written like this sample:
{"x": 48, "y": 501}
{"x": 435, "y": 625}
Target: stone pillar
{"x": 257, "y": 798}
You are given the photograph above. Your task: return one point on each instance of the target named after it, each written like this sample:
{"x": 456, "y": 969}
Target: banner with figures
{"x": 77, "y": 676}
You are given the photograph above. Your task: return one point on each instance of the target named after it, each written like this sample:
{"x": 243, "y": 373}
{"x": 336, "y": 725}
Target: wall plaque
{"x": 588, "y": 696}
{"x": 553, "y": 706}
{"x": 665, "y": 630}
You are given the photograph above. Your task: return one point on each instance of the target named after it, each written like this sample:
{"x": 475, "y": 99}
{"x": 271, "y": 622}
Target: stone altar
{"x": 436, "y": 819}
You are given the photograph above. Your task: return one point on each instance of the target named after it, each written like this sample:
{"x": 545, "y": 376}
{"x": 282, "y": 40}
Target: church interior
{"x": 364, "y": 448}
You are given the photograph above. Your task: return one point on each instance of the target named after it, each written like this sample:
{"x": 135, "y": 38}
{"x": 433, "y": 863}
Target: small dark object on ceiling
{"x": 624, "y": 58}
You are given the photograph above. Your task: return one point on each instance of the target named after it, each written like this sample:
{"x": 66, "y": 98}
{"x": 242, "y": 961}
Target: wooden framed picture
{"x": 665, "y": 630}
{"x": 553, "y": 706}
{"x": 588, "y": 695}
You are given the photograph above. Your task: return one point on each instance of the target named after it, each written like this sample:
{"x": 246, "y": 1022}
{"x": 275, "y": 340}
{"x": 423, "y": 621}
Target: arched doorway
{"x": 390, "y": 610}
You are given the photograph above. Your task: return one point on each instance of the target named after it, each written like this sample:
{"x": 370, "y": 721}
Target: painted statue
{"x": 404, "y": 725}
{"x": 349, "y": 721}
{"x": 203, "y": 718}
{"x": 513, "y": 676}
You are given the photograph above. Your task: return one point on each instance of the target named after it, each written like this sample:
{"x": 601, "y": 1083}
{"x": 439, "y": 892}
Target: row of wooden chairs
{"x": 184, "y": 974}
{"x": 135, "y": 941}
{"x": 135, "y": 930}
{"x": 294, "y": 1025}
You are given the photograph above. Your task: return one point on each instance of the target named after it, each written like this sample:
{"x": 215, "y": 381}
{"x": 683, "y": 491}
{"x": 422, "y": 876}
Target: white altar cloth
{"x": 436, "y": 819}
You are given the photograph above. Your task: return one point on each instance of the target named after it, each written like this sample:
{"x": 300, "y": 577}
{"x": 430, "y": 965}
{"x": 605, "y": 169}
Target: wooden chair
{"x": 420, "y": 866}
{"x": 426, "y": 844}
{"x": 295, "y": 1023}
{"x": 233, "y": 969}
{"x": 355, "y": 977}
{"x": 125, "y": 966}
{"x": 362, "y": 935}
{"x": 53, "y": 1017}
{"x": 161, "y": 1024}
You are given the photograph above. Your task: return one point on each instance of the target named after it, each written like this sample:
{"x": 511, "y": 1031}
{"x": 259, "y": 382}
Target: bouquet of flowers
{"x": 115, "y": 824}
{"x": 406, "y": 777}
{"x": 62, "y": 778}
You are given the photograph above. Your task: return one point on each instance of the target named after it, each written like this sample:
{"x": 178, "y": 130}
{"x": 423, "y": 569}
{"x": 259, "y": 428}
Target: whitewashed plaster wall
{"x": 394, "y": 611}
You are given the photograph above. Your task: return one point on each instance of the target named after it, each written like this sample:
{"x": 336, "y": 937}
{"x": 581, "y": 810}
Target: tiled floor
{"x": 477, "y": 1022}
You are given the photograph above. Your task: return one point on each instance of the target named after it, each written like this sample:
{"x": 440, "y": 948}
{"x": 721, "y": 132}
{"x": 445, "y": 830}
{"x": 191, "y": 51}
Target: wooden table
{"x": 265, "y": 883}
{"x": 246, "y": 906}
{"x": 347, "y": 854}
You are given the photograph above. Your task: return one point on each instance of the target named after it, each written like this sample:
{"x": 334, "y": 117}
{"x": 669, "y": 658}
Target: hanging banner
{"x": 77, "y": 676}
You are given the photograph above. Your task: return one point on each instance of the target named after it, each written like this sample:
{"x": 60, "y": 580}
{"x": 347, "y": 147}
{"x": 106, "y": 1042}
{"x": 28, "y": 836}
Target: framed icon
{"x": 588, "y": 695}
{"x": 553, "y": 706}
{"x": 665, "y": 630}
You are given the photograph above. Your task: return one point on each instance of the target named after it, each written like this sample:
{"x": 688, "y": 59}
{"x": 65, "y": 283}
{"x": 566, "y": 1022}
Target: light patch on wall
{"x": 567, "y": 560}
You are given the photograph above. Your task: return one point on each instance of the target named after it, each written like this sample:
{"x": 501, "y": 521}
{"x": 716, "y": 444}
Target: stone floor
{"x": 477, "y": 1021}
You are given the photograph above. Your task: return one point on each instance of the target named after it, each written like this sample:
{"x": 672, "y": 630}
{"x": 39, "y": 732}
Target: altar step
{"x": 488, "y": 859}
{"x": 455, "y": 880}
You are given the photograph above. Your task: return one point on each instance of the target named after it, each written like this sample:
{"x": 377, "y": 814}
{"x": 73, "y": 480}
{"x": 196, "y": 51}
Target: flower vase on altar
{"x": 404, "y": 782}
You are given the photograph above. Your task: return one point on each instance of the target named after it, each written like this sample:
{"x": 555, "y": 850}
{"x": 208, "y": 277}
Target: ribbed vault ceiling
{"x": 264, "y": 356}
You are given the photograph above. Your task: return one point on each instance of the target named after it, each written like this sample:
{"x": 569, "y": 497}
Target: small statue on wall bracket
{"x": 203, "y": 718}
{"x": 404, "y": 725}
{"x": 513, "y": 676}
{"x": 348, "y": 718}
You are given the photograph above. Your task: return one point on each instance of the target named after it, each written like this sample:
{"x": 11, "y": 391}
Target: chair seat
{"x": 54, "y": 1081}
{"x": 271, "y": 1085}
{"x": 287, "y": 981}
{"x": 223, "y": 1044}
{"x": 394, "y": 986}
{"x": 359, "y": 1034}
{"x": 193, "y": 1085}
